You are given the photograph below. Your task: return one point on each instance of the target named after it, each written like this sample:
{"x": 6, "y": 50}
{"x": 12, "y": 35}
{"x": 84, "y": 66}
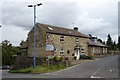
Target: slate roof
{"x": 96, "y": 43}
{"x": 61, "y": 30}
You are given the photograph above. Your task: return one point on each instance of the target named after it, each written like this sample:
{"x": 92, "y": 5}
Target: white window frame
{"x": 62, "y": 51}
{"x": 77, "y": 39}
{"x": 82, "y": 50}
{"x": 61, "y": 38}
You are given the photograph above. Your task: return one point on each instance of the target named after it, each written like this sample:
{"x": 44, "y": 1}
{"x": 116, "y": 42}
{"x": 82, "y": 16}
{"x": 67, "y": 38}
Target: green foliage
{"x": 22, "y": 42}
{"x": 26, "y": 70}
{"x": 100, "y": 40}
{"x": 109, "y": 43}
{"x": 114, "y": 46}
{"x": 51, "y": 58}
{"x": 118, "y": 45}
{"x": 39, "y": 69}
{"x": 90, "y": 56}
{"x": 7, "y": 52}
{"x": 58, "y": 58}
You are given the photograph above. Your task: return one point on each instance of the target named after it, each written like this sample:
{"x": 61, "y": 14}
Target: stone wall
{"x": 68, "y": 44}
{"x": 97, "y": 50}
{"x": 41, "y": 44}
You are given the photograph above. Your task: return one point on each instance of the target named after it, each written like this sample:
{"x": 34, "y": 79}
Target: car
{"x": 84, "y": 57}
{"x": 6, "y": 67}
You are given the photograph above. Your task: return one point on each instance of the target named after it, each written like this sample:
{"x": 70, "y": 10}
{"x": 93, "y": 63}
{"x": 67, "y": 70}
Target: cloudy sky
{"x": 98, "y": 17}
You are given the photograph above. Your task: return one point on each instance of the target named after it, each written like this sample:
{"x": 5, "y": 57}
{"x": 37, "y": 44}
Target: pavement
{"x": 106, "y": 67}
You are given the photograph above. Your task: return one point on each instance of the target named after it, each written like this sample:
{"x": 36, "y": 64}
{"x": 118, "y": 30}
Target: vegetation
{"x": 8, "y": 52}
{"x": 40, "y": 69}
{"x": 118, "y": 45}
{"x": 112, "y": 46}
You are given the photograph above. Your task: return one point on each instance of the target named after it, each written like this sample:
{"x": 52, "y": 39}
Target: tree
{"x": 109, "y": 43}
{"x": 118, "y": 46}
{"x": 103, "y": 42}
{"x": 114, "y": 46}
{"x": 21, "y": 42}
{"x": 100, "y": 40}
{"x": 7, "y": 52}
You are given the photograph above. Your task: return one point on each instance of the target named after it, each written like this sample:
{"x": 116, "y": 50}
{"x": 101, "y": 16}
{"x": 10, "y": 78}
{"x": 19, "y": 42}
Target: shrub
{"x": 90, "y": 56}
{"x": 58, "y": 58}
{"x": 66, "y": 58}
{"x": 51, "y": 58}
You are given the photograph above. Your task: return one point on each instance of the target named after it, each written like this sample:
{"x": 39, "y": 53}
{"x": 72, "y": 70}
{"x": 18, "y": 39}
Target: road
{"x": 102, "y": 68}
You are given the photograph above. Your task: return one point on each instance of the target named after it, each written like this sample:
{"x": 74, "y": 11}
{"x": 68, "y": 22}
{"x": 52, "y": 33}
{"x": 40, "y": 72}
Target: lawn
{"x": 40, "y": 69}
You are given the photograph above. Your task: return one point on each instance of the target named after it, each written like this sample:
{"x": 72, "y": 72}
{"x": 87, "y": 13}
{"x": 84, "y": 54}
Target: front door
{"x": 77, "y": 53}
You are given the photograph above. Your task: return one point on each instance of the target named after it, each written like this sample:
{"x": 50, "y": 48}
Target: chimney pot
{"x": 76, "y": 28}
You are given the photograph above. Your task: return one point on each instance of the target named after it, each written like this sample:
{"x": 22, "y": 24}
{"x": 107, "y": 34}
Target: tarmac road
{"x": 106, "y": 67}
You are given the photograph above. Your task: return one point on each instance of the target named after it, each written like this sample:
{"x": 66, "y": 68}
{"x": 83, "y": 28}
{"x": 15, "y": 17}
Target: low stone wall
{"x": 114, "y": 52}
{"x": 24, "y": 62}
{"x": 67, "y": 63}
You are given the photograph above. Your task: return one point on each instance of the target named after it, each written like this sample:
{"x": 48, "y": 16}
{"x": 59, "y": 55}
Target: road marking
{"x": 93, "y": 75}
{"x": 110, "y": 70}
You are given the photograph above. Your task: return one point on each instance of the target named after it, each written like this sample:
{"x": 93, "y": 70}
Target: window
{"x": 62, "y": 38}
{"x": 82, "y": 50}
{"x": 62, "y": 51}
{"x": 77, "y": 40}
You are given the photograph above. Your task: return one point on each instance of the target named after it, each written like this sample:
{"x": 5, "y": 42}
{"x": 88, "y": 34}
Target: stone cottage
{"x": 95, "y": 47}
{"x": 54, "y": 41}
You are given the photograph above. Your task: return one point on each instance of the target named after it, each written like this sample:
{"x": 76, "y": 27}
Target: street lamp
{"x": 35, "y": 31}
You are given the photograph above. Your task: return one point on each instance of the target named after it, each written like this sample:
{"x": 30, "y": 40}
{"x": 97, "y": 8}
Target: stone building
{"x": 95, "y": 47}
{"x": 53, "y": 41}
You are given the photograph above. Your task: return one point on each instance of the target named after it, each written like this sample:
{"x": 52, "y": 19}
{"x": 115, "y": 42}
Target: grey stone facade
{"x": 65, "y": 42}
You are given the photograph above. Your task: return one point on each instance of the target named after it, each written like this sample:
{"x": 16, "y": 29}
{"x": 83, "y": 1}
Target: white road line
{"x": 93, "y": 75}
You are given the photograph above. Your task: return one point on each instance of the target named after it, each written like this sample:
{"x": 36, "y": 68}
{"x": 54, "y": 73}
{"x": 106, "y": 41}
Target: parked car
{"x": 85, "y": 57}
{"x": 6, "y": 67}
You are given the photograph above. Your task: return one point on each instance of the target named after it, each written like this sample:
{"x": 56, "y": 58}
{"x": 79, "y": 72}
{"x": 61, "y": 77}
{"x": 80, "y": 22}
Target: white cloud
{"x": 96, "y": 16}
{"x": 13, "y": 34}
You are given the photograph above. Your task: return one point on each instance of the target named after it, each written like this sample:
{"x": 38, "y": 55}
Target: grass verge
{"x": 40, "y": 69}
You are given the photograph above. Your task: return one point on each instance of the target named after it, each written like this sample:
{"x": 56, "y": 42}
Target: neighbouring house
{"x": 95, "y": 47}
{"x": 59, "y": 41}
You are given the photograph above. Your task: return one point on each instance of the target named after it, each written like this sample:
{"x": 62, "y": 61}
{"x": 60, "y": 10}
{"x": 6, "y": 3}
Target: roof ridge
{"x": 56, "y": 26}
{"x": 52, "y": 26}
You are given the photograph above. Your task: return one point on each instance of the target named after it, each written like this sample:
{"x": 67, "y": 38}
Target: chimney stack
{"x": 76, "y": 28}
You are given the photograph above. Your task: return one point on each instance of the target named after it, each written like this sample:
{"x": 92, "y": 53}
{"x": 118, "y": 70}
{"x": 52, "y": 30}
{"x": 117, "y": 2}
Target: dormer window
{"x": 61, "y": 38}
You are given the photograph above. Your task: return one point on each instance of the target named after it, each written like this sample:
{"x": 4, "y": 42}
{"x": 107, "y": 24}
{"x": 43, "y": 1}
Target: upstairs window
{"x": 62, "y": 38}
{"x": 77, "y": 40}
{"x": 62, "y": 51}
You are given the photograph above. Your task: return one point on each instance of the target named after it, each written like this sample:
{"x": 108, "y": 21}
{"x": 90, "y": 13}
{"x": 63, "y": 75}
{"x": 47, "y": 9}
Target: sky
{"x": 96, "y": 17}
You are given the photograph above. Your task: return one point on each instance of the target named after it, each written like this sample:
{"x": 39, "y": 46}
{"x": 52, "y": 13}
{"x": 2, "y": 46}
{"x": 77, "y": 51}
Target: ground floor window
{"x": 62, "y": 51}
{"x": 82, "y": 50}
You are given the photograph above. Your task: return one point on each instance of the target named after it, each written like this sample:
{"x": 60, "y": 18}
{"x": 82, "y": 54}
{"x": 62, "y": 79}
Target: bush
{"x": 66, "y": 58}
{"x": 90, "y": 56}
{"x": 57, "y": 58}
{"x": 51, "y": 58}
